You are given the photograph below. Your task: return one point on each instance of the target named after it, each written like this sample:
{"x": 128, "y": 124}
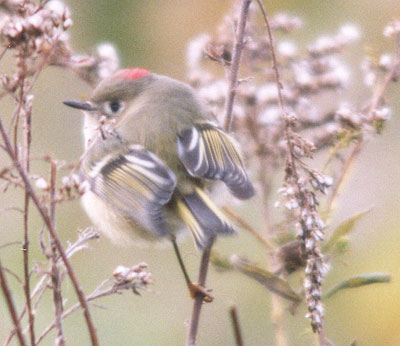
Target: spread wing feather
{"x": 138, "y": 184}
{"x": 207, "y": 151}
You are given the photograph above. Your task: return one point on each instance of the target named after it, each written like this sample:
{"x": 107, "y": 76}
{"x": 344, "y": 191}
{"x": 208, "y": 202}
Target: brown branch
{"x": 234, "y": 70}
{"x": 236, "y": 326}
{"x": 198, "y": 299}
{"x": 11, "y": 306}
{"x": 47, "y": 221}
{"x": 228, "y": 116}
{"x": 45, "y": 281}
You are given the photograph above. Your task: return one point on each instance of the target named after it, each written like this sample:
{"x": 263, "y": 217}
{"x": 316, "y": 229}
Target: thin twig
{"x": 96, "y": 294}
{"x": 277, "y": 309}
{"x": 47, "y": 221}
{"x": 14, "y": 275}
{"x": 10, "y": 244}
{"x": 4, "y": 52}
{"x": 234, "y": 70}
{"x": 236, "y": 326}
{"x": 45, "y": 281}
{"x": 377, "y": 99}
{"x": 287, "y": 127}
{"x": 339, "y": 181}
{"x": 198, "y": 299}
{"x": 99, "y": 292}
{"x": 11, "y": 306}
{"x": 242, "y": 223}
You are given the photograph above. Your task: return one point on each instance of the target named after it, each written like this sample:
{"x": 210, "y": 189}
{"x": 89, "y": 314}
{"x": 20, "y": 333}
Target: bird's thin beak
{"x": 86, "y": 106}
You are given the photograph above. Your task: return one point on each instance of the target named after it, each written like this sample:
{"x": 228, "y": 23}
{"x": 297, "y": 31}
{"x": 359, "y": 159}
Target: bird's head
{"x": 114, "y": 95}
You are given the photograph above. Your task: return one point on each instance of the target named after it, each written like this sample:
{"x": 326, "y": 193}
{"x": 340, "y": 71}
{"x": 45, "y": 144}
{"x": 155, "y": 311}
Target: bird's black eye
{"x": 115, "y": 106}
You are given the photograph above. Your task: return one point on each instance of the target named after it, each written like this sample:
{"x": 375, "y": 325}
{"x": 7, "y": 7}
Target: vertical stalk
{"x": 46, "y": 219}
{"x": 228, "y": 116}
{"x": 234, "y": 71}
{"x": 236, "y": 326}
{"x": 27, "y": 138}
{"x": 11, "y": 306}
{"x": 198, "y": 299}
{"x": 55, "y": 274}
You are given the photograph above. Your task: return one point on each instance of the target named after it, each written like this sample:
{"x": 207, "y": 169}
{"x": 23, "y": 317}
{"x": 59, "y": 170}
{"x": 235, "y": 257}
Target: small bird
{"x": 150, "y": 170}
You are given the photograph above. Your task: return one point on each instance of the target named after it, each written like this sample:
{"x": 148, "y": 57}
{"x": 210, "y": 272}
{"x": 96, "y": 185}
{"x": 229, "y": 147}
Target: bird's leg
{"x": 194, "y": 288}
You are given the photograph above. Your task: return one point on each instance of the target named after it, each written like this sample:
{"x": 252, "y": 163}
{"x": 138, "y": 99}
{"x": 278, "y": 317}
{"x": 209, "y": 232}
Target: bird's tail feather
{"x": 203, "y": 217}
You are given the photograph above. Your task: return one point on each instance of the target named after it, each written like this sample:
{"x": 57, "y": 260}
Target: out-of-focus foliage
{"x": 154, "y": 34}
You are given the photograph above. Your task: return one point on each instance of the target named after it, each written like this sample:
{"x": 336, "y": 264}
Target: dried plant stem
{"x": 198, "y": 299}
{"x": 322, "y": 341}
{"x": 72, "y": 309}
{"x": 47, "y": 221}
{"x": 27, "y": 129}
{"x": 234, "y": 70}
{"x": 277, "y": 314}
{"x": 264, "y": 180}
{"x": 242, "y": 223}
{"x": 55, "y": 274}
{"x": 339, "y": 181}
{"x": 228, "y": 116}
{"x": 11, "y": 306}
{"x": 26, "y": 285}
{"x": 39, "y": 289}
{"x": 292, "y": 170}
{"x": 99, "y": 292}
{"x": 236, "y": 326}
{"x": 42, "y": 286}
{"x": 377, "y": 99}
{"x": 286, "y": 121}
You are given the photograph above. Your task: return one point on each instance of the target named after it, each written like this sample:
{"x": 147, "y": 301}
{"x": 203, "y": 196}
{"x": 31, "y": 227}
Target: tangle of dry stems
{"x": 271, "y": 100}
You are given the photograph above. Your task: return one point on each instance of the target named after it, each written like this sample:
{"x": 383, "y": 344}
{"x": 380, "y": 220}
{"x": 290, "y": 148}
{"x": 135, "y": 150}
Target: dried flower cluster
{"x": 308, "y": 77}
{"x": 35, "y": 33}
{"x": 34, "y": 30}
{"x": 318, "y": 114}
{"x": 134, "y": 278}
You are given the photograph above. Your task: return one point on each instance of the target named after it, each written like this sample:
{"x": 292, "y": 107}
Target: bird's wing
{"x": 137, "y": 184}
{"x": 208, "y": 152}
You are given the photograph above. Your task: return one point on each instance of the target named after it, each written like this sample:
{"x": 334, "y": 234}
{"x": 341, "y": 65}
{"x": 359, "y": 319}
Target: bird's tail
{"x": 204, "y": 219}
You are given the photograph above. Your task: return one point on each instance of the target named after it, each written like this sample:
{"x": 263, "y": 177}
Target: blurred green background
{"x": 154, "y": 34}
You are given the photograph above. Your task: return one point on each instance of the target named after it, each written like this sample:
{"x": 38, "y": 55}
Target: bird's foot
{"x": 196, "y": 289}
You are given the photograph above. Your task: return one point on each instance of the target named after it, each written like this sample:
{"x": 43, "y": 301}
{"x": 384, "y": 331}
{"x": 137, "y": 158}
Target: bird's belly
{"x": 118, "y": 228}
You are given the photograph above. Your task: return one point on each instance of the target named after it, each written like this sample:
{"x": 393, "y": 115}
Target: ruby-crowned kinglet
{"x": 149, "y": 175}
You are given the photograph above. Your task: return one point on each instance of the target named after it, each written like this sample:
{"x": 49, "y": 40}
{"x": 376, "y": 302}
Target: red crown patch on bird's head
{"x": 131, "y": 73}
